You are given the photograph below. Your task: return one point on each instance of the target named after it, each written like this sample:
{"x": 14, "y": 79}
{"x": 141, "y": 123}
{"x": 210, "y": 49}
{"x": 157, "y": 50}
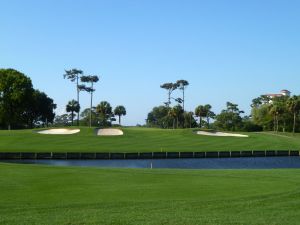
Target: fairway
{"x": 142, "y": 140}
{"x": 67, "y": 195}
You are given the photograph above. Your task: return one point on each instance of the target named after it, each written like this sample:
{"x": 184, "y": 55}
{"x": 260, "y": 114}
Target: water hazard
{"x": 205, "y": 163}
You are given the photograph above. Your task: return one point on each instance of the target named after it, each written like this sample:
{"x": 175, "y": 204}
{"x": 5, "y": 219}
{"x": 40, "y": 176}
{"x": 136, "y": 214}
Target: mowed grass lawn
{"x": 142, "y": 140}
{"x": 34, "y": 194}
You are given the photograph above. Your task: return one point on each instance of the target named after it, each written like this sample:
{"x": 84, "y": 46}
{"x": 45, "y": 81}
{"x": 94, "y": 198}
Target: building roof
{"x": 285, "y": 91}
{"x": 273, "y": 95}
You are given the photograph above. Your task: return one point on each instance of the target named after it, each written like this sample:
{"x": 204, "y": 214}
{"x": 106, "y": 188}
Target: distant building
{"x": 282, "y": 93}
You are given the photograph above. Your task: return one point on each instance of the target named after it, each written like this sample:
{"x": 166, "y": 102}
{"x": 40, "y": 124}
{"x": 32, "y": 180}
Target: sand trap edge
{"x": 109, "y": 132}
{"x": 59, "y": 131}
{"x": 220, "y": 134}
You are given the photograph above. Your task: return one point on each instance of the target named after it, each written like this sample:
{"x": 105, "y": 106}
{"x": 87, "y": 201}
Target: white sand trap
{"x": 109, "y": 132}
{"x": 220, "y": 134}
{"x": 59, "y": 131}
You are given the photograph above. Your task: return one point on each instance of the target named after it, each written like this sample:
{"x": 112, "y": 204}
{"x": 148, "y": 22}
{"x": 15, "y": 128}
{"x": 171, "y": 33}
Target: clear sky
{"x": 229, "y": 50}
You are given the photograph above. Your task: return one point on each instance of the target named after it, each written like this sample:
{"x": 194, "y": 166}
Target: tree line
{"x": 279, "y": 113}
{"x": 75, "y": 75}
{"x": 22, "y": 106}
{"x": 276, "y": 114}
{"x": 166, "y": 116}
{"x": 102, "y": 115}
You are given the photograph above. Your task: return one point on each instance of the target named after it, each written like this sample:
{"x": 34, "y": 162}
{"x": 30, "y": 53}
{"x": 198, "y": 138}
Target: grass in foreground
{"x": 33, "y": 194}
{"x": 142, "y": 140}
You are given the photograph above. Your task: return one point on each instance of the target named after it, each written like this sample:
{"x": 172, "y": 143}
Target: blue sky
{"x": 228, "y": 50}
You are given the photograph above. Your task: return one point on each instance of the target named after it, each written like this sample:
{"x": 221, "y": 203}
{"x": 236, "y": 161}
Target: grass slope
{"x": 143, "y": 140}
{"x": 32, "y": 194}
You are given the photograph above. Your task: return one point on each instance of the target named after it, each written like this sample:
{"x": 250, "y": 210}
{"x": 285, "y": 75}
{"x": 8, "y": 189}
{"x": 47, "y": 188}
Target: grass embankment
{"x": 142, "y": 140}
{"x": 32, "y": 194}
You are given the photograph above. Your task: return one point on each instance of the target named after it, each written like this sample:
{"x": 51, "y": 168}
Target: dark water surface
{"x": 206, "y": 163}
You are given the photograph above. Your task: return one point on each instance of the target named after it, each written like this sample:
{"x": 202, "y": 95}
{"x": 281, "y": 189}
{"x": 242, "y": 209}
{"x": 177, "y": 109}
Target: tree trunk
{"x": 91, "y": 109}
{"x": 173, "y": 123}
{"x": 277, "y": 123}
{"x": 78, "y": 102}
{"x": 169, "y": 98}
{"x": 183, "y": 99}
{"x": 207, "y": 122}
{"x": 294, "y": 125}
{"x": 72, "y": 115}
{"x": 91, "y": 105}
{"x": 120, "y": 120}
{"x": 200, "y": 122}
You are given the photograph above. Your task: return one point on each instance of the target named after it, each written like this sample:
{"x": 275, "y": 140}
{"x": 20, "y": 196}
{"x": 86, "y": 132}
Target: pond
{"x": 205, "y": 163}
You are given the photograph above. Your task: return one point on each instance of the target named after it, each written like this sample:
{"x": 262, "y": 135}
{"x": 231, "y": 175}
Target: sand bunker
{"x": 59, "y": 131}
{"x": 109, "y": 132}
{"x": 220, "y": 134}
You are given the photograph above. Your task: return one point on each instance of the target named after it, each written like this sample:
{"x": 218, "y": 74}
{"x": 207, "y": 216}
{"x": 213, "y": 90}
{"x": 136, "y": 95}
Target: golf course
{"x": 137, "y": 139}
{"x": 153, "y": 112}
{"x": 33, "y": 194}
{"x": 43, "y": 194}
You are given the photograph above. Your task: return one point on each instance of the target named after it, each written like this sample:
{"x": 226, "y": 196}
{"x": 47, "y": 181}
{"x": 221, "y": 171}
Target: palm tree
{"x": 274, "y": 113}
{"x": 293, "y": 105}
{"x": 200, "y": 112}
{"x": 188, "y": 119}
{"x": 91, "y": 90}
{"x": 73, "y": 75}
{"x": 170, "y": 87}
{"x": 279, "y": 111}
{"x": 73, "y": 106}
{"x": 209, "y": 113}
{"x": 178, "y": 110}
{"x": 172, "y": 114}
{"x": 120, "y": 111}
{"x": 85, "y": 115}
{"x": 182, "y": 84}
{"x": 104, "y": 108}
{"x": 105, "y": 112}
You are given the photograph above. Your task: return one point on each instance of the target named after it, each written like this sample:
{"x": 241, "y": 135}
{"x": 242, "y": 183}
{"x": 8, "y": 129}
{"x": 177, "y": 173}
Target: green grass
{"x": 142, "y": 140}
{"x": 33, "y": 194}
